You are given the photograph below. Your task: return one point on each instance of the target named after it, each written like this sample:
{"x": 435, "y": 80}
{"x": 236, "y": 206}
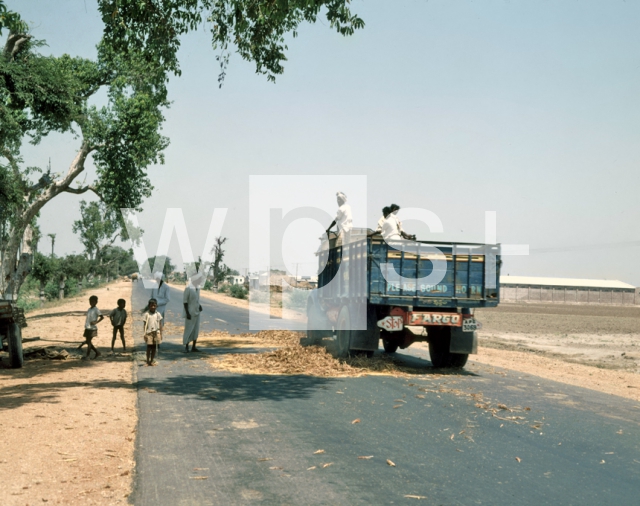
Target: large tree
{"x": 43, "y": 94}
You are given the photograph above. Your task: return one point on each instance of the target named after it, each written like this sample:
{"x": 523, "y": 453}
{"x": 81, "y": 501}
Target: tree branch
{"x": 80, "y": 191}
{"x": 14, "y": 42}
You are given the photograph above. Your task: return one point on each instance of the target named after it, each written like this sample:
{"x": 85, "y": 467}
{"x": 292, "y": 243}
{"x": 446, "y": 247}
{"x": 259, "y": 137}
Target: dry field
{"x": 602, "y": 336}
{"x": 596, "y": 347}
{"x": 68, "y": 426}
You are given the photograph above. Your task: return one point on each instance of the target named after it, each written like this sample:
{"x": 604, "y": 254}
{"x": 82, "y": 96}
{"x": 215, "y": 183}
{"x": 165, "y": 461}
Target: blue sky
{"x": 529, "y": 109}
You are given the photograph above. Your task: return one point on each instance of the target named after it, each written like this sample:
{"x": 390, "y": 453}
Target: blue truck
{"x": 402, "y": 292}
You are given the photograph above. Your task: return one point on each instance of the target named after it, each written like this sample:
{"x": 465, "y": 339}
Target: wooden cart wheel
{"x": 343, "y": 340}
{"x": 14, "y": 340}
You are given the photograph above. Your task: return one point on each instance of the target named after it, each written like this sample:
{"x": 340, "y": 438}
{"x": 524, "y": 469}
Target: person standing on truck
{"x": 343, "y": 220}
{"x": 392, "y": 226}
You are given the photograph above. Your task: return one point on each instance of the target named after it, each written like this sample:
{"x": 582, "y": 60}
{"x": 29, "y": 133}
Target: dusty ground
{"x": 68, "y": 426}
{"x": 595, "y": 347}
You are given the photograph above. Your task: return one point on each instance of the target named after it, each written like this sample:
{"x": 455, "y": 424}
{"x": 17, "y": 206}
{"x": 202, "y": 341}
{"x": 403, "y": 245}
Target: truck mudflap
{"x": 463, "y": 342}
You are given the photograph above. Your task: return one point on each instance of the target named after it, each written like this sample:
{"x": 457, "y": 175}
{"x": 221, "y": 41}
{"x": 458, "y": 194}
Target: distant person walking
{"x": 118, "y": 318}
{"x": 191, "y": 313}
{"x": 161, "y": 294}
{"x": 343, "y": 220}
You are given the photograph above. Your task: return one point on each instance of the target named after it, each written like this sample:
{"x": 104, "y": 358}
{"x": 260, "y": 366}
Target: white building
{"x": 567, "y": 290}
{"x": 235, "y": 280}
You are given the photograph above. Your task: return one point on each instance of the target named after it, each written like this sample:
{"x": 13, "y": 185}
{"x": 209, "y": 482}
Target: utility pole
{"x": 53, "y": 243}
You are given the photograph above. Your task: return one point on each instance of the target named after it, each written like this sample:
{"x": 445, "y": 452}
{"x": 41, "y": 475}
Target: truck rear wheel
{"x": 389, "y": 346}
{"x": 14, "y": 340}
{"x": 343, "y": 332}
{"x": 314, "y": 323}
{"x": 441, "y": 357}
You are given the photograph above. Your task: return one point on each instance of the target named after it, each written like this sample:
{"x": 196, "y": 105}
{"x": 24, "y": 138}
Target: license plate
{"x": 470, "y": 324}
{"x": 448, "y": 319}
{"x": 391, "y": 323}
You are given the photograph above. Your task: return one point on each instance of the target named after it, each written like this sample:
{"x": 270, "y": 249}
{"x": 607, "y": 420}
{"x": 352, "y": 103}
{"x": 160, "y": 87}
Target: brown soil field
{"x": 602, "y": 336}
{"x": 68, "y": 426}
{"x": 596, "y": 347}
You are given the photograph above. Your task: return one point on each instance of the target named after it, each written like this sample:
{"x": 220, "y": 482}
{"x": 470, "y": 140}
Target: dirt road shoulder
{"x": 68, "y": 426}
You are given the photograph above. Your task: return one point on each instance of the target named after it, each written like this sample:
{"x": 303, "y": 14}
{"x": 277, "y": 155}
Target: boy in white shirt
{"x": 90, "y": 330}
{"x": 152, "y": 330}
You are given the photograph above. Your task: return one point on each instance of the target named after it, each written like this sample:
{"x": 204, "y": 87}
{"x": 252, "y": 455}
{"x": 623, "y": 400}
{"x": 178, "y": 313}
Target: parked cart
{"x": 12, "y": 321}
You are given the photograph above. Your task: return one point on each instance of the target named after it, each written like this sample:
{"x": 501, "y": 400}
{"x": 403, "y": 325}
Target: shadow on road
{"x": 233, "y": 387}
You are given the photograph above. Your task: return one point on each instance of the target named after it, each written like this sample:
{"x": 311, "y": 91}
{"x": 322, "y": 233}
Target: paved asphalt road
{"x": 254, "y": 437}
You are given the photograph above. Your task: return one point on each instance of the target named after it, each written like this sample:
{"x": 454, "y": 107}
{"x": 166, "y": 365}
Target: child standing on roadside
{"x": 152, "y": 330}
{"x": 90, "y": 330}
{"x": 118, "y": 318}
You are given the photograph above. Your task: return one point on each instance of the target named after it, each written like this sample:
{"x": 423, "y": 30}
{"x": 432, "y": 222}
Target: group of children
{"x": 152, "y": 327}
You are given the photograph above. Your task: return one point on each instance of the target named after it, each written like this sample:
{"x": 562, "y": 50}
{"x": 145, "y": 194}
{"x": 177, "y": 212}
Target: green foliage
{"x": 168, "y": 266}
{"x": 259, "y": 296}
{"x": 43, "y": 268}
{"x": 256, "y": 28}
{"x": 298, "y": 299}
{"x": 74, "y": 266}
{"x": 97, "y": 227}
{"x": 11, "y": 20}
{"x": 238, "y": 291}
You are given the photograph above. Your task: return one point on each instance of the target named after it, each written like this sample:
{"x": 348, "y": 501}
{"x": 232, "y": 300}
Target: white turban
{"x": 341, "y": 196}
{"x": 157, "y": 275}
{"x": 197, "y": 279}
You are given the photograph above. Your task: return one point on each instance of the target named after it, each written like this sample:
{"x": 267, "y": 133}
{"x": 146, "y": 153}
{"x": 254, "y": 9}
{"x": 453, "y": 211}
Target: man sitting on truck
{"x": 343, "y": 220}
{"x": 386, "y": 211}
{"x": 392, "y": 226}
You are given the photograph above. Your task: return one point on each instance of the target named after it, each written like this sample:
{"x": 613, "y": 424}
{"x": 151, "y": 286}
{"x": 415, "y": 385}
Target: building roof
{"x": 568, "y": 282}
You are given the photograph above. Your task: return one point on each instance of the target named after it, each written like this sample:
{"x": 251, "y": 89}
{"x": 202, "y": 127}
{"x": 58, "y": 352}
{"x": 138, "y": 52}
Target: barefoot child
{"x": 90, "y": 330}
{"x": 152, "y": 330}
{"x": 118, "y": 318}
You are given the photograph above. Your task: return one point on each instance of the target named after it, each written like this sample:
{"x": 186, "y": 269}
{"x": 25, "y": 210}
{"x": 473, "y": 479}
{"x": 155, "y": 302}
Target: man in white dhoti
{"x": 192, "y": 310}
{"x": 343, "y": 220}
{"x": 161, "y": 294}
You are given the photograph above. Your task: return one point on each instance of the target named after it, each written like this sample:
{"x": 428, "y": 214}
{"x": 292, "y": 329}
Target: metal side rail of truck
{"x": 12, "y": 321}
{"x": 402, "y": 292}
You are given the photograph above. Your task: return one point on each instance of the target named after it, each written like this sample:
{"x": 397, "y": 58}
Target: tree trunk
{"x": 18, "y": 257}
{"x": 42, "y": 297}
